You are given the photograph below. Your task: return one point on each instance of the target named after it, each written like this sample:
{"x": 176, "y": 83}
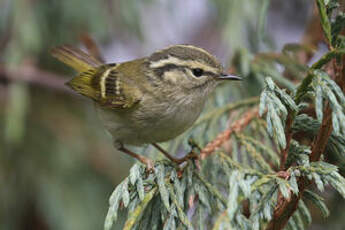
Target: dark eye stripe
{"x": 159, "y": 71}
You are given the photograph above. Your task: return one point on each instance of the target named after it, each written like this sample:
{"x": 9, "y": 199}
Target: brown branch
{"x": 225, "y": 135}
{"x": 288, "y": 135}
{"x": 320, "y": 141}
{"x": 35, "y": 76}
{"x": 91, "y": 46}
{"x": 286, "y": 207}
{"x": 31, "y": 74}
{"x": 340, "y": 71}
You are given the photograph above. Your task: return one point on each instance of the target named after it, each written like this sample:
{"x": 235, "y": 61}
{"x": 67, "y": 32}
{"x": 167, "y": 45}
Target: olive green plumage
{"x": 92, "y": 73}
{"x": 147, "y": 100}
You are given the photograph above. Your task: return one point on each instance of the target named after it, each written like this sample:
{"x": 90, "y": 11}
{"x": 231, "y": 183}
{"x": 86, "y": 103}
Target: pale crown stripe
{"x": 190, "y": 47}
{"x": 195, "y": 48}
{"x": 190, "y": 63}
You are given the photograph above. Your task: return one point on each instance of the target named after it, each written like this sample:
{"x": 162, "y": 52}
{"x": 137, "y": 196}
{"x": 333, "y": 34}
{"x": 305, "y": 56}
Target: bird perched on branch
{"x": 147, "y": 100}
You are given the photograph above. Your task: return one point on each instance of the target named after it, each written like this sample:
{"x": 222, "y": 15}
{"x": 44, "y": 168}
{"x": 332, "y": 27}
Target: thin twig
{"x": 91, "y": 46}
{"x": 225, "y": 135}
{"x": 227, "y": 108}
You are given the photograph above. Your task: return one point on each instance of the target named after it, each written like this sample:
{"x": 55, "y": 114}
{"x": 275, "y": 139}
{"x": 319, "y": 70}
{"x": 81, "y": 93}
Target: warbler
{"x": 150, "y": 99}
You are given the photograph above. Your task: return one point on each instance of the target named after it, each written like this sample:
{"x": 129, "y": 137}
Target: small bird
{"x": 147, "y": 100}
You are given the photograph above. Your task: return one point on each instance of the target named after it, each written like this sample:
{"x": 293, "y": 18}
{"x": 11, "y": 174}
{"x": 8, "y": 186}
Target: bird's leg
{"x": 148, "y": 162}
{"x": 174, "y": 159}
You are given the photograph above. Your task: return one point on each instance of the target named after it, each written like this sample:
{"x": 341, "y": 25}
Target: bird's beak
{"x": 225, "y": 76}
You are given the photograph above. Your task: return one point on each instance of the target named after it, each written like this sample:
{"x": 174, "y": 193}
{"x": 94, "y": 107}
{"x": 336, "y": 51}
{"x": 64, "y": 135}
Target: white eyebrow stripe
{"x": 179, "y": 62}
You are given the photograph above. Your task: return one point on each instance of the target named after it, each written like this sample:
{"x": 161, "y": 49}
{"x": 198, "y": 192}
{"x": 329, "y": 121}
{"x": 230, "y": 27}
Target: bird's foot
{"x": 191, "y": 155}
{"x": 145, "y": 160}
{"x": 150, "y": 164}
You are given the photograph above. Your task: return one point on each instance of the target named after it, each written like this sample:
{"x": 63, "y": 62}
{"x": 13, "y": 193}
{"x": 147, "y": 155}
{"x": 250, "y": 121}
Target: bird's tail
{"x": 75, "y": 58}
{"x": 83, "y": 63}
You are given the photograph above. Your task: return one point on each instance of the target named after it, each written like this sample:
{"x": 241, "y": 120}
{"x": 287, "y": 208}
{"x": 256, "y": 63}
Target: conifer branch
{"x": 317, "y": 65}
{"x": 285, "y": 208}
{"x": 237, "y": 126}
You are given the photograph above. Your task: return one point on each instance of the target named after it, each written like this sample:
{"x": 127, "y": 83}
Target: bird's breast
{"x": 152, "y": 120}
{"x": 166, "y": 119}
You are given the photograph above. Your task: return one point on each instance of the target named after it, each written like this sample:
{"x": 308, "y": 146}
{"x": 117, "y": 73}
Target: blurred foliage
{"x": 240, "y": 30}
{"x": 57, "y": 164}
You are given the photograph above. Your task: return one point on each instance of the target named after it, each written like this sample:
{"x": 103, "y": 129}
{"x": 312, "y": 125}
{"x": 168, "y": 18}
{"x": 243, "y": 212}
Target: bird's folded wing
{"x": 110, "y": 85}
{"x": 107, "y": 87}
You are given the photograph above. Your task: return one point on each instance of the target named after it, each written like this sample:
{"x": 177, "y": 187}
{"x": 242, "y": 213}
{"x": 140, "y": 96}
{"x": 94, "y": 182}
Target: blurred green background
{"x": 57, "y": 164}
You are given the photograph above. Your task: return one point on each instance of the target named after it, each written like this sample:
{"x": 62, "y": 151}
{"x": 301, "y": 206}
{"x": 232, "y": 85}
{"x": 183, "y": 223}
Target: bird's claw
{"x": 150, "y": 165}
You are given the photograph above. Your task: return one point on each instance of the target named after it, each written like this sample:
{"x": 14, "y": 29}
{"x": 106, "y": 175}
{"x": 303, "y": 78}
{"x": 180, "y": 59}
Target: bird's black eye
{"x": 198, "y": 72}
